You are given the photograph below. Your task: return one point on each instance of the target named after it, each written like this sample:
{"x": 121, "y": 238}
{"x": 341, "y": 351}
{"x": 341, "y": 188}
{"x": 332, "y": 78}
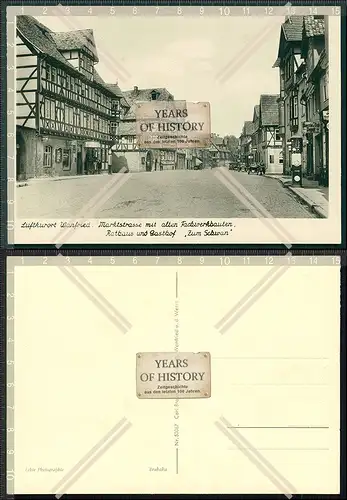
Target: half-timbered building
{"x": 138, "y": 159}
{"x": 246, "y": 142}
{"x": 256, "y": 135}
{"x": 67, "y": 117}
{"x": 270, "y": 139}
{"x": 316, "y": 98}
{"x": 288, "y": 61}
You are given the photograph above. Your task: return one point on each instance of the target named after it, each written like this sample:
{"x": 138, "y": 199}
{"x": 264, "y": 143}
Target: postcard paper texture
{"x": 271, "y": 423}
{"x": 216, "y": 138}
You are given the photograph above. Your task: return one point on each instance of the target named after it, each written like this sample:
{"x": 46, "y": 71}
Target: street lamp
{"x": 296, "y": 159}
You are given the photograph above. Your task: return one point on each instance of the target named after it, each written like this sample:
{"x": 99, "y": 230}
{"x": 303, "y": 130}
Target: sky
{"x": 226, "y": 61}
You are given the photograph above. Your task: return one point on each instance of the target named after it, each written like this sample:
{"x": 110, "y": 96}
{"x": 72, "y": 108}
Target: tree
{"x": 232, "y": 144}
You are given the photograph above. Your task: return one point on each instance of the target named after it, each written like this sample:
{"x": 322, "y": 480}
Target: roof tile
{"x": 44, "y": 40}
{"x": 269, "y": 114}
{"x": 247, "y": 128}
{"x": 314, "y": 26}
{"x": 292, "y": 28}
{"x": 138, "y": 95}
{"x": 76, "y": 40}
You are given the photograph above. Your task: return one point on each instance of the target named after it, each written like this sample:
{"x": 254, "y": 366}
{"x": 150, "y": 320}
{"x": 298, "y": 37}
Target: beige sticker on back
{"x": 178, "y": 375}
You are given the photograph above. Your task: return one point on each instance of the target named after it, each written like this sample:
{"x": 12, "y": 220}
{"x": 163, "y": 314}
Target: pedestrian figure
{"x": 262, "y": 168}
{"x": 95, "y": 164}
{"x": 99, "y": 165}
{"x": 110, "y": 163}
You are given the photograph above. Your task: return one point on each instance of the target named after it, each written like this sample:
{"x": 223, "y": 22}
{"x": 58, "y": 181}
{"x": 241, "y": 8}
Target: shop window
{"x": 58, "y": 155}
{"x": 66, "y": 159}
{"x": 47, "y": 157}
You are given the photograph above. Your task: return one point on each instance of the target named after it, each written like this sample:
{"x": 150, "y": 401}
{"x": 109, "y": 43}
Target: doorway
{"x": 149, "y": 161}
{"x": 309, "y": 156}
{"x": 20, "y": 158}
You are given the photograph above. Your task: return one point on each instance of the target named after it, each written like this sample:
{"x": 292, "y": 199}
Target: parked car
{"x": 256, "y": 168}
{"x": 253, "y": 168}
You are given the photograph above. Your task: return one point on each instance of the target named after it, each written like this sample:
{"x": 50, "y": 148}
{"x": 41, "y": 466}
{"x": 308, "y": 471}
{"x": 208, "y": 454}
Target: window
{"x": 295, "y": 107}
{"x": 272, "y": 159}
{"x": 77, "y": 117}
{"x": 97, "y": 98}
{"x": 52, "y": 110}
{"x": 48, "y": 72}
{"x": 277, "y": 135}
{"x": 69, "y": 113}
{"x": 62, "y": 112}
{"x": 47, "y": 157}
{"x": 303, "y": 109}
{"x": 288, "y": 68}
{"x": 154, "y": 95}
{"x": 47, "y": 108}
{"x": 280, "y": 157}
{"x": 53, "y": 75}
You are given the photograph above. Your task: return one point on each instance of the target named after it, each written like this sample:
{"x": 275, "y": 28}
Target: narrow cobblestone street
{"x": 166, "y": 194}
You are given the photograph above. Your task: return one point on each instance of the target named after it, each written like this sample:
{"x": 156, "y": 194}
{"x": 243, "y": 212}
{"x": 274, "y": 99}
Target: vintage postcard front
{"x": 190, "y": 375}
{"x": 221, "y": 127}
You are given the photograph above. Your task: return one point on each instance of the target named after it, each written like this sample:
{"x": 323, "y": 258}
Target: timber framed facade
{"x": 66, "y": 116}
{"x": 139, "y": 159}
{"x": 270, "y": 141}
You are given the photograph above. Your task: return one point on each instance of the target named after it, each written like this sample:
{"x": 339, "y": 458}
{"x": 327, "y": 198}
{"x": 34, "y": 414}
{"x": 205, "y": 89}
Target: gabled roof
{"x": 40, "y": 37}
{"x": 269, "y": 113}
{"x": 256, "y": 117}
{"x": 292, "y": 28}
{"x": 115, "y": 89}
{"x": 76, "y": 40}
{"x": 138, "y": 95}
{"x": 313, "y": 26}
{"x": 127, "y": 128}
{"x": 43, "y": 40}
{"x": 291, "y": 32}
{"x": 247, "y": 128}
{"x": 123, "y": 101}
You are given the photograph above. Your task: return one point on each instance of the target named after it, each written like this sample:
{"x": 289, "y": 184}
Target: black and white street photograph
{"x": 81, "y": 79}
{"x": 226, "y": 398}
